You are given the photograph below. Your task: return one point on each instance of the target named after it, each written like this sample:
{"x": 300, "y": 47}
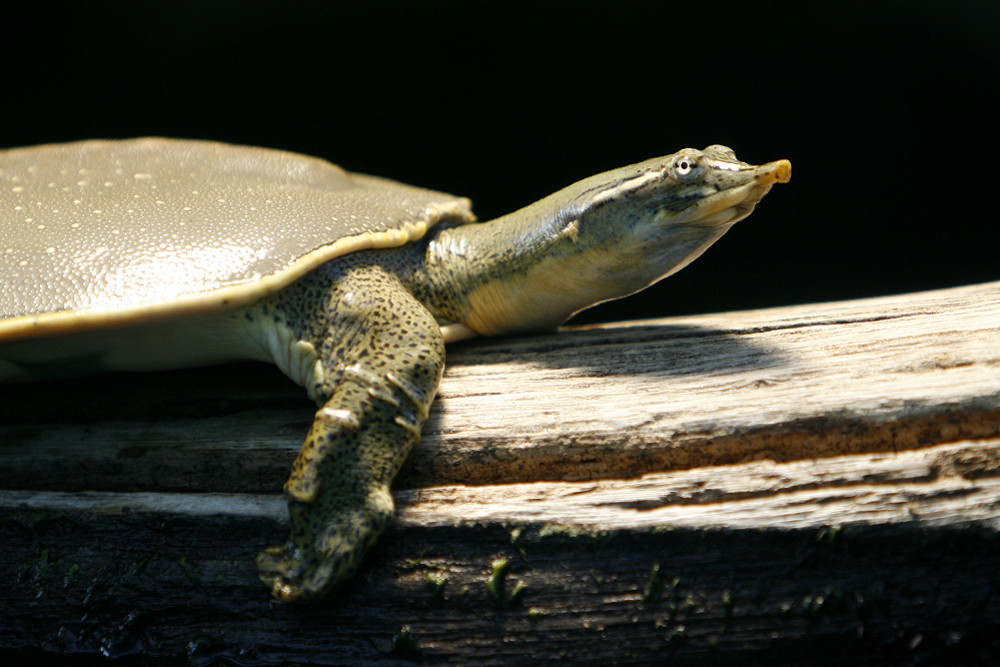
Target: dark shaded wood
{"x": 816, "y": 484}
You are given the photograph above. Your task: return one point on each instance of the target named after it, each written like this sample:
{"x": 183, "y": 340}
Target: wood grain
{"x": 810, "y": 483}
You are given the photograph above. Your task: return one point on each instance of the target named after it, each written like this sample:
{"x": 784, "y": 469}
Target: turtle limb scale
{"x": 380, "y": 361}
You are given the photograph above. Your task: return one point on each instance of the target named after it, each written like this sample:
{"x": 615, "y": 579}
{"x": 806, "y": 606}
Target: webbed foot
{"x": 328, "y": 539}
{"x": 289, "y": 576}
{"x": 380, "y": 362}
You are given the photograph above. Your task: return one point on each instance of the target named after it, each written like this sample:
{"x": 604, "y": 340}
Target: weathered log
{"x": 803, "y": 484}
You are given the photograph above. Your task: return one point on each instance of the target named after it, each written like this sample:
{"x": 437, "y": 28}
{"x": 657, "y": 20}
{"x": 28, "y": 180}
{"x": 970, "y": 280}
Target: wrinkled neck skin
{"x": 530, "y": 273}
{"x": 603, "y": 238}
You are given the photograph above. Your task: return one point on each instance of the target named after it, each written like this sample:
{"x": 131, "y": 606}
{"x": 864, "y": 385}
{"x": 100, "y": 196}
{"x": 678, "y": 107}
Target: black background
{"x": 885, "y": 109}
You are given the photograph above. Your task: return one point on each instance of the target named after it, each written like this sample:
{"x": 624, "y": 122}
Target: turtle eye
{"x": 685, "y": 168}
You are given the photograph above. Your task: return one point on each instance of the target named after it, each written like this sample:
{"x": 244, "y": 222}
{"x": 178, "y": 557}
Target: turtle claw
{"x": 300, "y": 575}
{"x": 284, "y": 571}
{"x": 325, "y": 547}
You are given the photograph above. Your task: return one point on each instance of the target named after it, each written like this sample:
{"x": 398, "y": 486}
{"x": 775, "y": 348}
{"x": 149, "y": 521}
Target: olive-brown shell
{"x": 101, "y": 233}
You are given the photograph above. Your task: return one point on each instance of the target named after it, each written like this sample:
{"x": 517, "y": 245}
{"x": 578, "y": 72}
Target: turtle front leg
{"x": 385, "y": 356}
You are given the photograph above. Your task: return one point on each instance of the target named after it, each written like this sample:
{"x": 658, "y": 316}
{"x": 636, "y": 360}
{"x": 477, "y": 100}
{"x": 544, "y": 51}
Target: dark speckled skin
{"x": 382, "y": 355}
{"x": 373, "y": 318}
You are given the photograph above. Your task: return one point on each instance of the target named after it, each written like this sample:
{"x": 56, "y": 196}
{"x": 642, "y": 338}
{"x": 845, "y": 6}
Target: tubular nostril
{"x": 783, "y": 171}
{"x": 779, "y": 171}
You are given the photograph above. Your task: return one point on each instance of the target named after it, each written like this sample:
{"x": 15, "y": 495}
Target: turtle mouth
{"x": 734, "y": 203}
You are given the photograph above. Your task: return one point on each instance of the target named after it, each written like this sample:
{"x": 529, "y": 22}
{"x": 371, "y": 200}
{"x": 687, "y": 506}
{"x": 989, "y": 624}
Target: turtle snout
{"x": 779, "y": 171}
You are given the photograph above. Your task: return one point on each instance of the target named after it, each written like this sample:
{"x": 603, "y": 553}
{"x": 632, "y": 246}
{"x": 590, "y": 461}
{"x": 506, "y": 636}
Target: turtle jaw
{"x": 731, "y": 204}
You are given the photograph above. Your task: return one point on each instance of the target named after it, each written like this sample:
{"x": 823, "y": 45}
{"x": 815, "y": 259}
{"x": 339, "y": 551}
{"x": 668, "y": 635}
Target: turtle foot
{"x": 326, "y": 545}
{"x": 293, "y": 577}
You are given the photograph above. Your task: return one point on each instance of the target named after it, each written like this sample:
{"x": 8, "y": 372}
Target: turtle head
{"x": 699, "y": 189}
{"x": 606, "y": 236}
{"x": 644, "y": 222}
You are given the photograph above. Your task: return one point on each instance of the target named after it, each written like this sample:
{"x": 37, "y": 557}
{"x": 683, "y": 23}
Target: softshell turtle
{"x": 155, "y": 253}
